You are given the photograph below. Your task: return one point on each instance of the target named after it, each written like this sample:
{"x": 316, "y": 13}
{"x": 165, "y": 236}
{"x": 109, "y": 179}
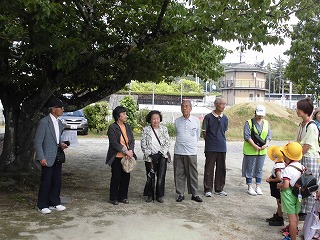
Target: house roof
{"x": 243, "y": 67}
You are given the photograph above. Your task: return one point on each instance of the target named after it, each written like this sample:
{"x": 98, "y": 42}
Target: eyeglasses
{"x": 59, "y": 107}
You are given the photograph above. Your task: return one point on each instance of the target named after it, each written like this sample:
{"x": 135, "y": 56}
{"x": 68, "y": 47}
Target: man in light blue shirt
{"x": 185, "y": 153}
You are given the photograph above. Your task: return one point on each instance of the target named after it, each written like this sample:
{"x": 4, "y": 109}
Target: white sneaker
{"x": 44, "y": 210}
{"x": 259, "y": 191}
{"x": 251, "y": 191}
{"x": 222, "y": 193}
{"x": 208, "y": 194}
{"x": 58, "y": 208}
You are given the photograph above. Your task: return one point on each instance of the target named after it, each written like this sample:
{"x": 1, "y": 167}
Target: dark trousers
{"x": 119, "y": 183}
{"x": 160, "y": 170}
{"x": 50, "y": 186}
{"x": 215, "y": 167}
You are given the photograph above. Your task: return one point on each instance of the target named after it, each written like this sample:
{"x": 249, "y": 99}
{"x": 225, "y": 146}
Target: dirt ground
{"x": 85, "y": 191}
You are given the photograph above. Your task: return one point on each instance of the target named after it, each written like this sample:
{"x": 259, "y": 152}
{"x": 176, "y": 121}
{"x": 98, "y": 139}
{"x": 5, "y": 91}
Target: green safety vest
{"x": 248, "y": 149}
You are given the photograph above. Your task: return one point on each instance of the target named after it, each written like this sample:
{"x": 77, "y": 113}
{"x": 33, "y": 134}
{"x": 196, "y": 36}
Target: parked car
{"x": 75, "y": 121}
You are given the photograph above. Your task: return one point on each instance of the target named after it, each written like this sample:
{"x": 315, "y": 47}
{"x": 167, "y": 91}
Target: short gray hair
{"x": 218, "y": 100}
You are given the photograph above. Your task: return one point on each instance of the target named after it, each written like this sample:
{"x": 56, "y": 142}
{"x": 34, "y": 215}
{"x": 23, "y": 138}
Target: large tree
{"x": 304, "y": 65}
{"x": 92, "y": 48}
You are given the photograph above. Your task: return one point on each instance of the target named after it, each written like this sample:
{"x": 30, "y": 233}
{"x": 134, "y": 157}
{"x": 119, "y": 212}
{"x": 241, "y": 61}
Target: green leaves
{"x": 93, "y": 48}
{"x": 131, "y": 105}
{"x": 303, "y": 68}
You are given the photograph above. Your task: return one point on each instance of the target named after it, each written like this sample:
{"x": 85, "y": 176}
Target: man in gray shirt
{"x": 185, "y": 153}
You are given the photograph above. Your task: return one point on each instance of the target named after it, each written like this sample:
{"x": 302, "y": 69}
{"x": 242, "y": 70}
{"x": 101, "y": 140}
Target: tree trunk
{"x": 21, "y": 121}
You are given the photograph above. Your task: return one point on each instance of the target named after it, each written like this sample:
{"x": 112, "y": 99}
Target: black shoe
{"x": 302, "y": 216}
{"x": 160, "y": 200}
{"x": 125, "y": 201}
{"x": 114, "y": 202}
{"x": 196, "y": 198}
{"x": 149, "y": 199}
{"x": 273, "y": 218}
{"x": 180, "y": 198}
{"x": 279, "y": 222}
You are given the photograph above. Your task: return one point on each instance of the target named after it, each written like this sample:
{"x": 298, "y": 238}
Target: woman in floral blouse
{"x": 155, "y": 143}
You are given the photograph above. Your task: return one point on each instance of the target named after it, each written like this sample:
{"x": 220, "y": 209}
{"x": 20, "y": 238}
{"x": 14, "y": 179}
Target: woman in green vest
{"x": 255, "y": 149}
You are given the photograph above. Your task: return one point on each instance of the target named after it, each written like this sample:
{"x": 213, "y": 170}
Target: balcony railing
{"x": 243, "y": 84}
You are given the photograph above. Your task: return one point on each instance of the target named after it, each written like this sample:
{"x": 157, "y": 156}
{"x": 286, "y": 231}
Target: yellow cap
{"x": 293, "y": 151}
{"x": 275, "y": 154}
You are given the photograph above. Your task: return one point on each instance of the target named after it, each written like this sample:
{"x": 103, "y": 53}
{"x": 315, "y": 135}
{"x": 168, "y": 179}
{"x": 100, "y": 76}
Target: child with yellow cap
{"x": 276, "y": 155}
{"x": 290, "y": 204}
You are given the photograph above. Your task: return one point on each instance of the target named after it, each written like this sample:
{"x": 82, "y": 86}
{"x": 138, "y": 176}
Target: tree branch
{"x": 160, "y": 18}
{"x": 80, "y": 8}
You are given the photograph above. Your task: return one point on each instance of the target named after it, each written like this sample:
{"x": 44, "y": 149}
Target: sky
{"x": 270, "y": 52}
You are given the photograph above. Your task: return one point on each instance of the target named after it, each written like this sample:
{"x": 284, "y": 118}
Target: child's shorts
{"x": 275, "y": 192}
{"x": 289, "y": 202}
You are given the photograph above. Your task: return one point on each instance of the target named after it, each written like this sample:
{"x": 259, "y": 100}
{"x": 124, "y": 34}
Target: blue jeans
{"x": 249, "y": 181}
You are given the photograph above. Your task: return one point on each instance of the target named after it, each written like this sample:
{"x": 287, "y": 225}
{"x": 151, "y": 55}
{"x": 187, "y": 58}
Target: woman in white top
{"x": 155, "y": 147}
{"x": 307, "y": 136}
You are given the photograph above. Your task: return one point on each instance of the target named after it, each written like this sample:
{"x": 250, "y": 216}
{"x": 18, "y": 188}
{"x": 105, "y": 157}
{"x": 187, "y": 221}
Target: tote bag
{"x": 311, "y": 222}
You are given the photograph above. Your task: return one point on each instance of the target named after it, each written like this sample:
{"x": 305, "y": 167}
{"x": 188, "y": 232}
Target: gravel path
{"x": 89, "y": 215}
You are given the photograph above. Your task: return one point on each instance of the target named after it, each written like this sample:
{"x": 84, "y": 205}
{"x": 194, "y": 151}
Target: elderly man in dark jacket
{"x": 47, "y": 140}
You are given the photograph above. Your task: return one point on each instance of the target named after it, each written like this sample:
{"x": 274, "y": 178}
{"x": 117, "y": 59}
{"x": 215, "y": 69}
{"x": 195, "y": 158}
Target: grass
{"x": 283, "y": 121}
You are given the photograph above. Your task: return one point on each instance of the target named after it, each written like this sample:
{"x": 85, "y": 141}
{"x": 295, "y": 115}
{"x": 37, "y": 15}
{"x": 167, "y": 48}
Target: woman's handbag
{"x": 256, "y": 137}
{"x": 156, "y": 157}
{"x": 128, "y": 164}
{"x": 156, "y": 154}
{"x": 311, "y": 224}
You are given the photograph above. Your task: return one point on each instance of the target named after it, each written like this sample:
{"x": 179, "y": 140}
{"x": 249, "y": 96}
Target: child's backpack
{"x": 306, "y": 183}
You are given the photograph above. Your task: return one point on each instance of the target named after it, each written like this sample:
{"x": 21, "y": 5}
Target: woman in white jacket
{"x": 155, "y": 146}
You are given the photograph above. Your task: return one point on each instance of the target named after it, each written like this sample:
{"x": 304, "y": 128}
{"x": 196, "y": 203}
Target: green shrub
{"x": 171, "y": 129}
{"x": 130, "y": 104}
{"x": 141, "y": 118}
{"x": 96, "y": 115}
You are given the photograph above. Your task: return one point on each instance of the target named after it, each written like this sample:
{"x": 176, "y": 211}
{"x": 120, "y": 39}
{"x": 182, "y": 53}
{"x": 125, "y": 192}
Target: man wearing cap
{"x": 257, "y": 135}
{"x": 47, "y": 140}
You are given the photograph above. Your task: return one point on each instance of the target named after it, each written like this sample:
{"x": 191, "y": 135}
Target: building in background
{"x": 243, "y": 83}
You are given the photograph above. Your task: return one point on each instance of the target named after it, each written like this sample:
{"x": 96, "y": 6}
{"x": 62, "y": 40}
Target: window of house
{"x": 250, "y": 96}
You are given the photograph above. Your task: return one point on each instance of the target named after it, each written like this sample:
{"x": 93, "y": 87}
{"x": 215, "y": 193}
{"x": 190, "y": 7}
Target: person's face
{"x": 186, "y": 109}
{"x": 318, "y": 116}
{"x": 300, "y": 113}
{"x": 220, "y": 106}
{"x": 57, "y": 111}
{"x": 258, "y": 117}
{"x": 123, "y": 117}
{"x": 155, "y": 120}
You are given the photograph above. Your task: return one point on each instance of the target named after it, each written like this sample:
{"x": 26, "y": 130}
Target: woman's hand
{"x": 129, "y": 153}
{"x": 257, "y": 147}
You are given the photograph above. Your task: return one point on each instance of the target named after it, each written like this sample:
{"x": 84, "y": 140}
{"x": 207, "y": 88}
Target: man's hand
{"x": 63, "y": 145}
{"x": 43, "y": 163}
